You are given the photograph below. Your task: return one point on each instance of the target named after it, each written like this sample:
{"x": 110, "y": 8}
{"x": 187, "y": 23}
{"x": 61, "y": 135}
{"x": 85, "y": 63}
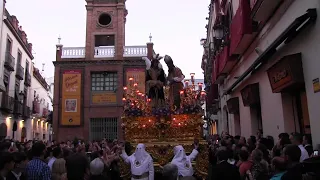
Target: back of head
{"x": 56, "y": 152}
{"x": 297, "y": 138}
{"x": 222, "y": 155}
{"x": 257, "y": 155}
{"x": 59, "y": 166}
{"x": 292, "y": 152}
{"x": 5, "y": 158}
{"x": 96, "y": 167}
{"x": 279, "y": 163}
{"x": 170, "y": 172}
{"x": 38, "y": 149}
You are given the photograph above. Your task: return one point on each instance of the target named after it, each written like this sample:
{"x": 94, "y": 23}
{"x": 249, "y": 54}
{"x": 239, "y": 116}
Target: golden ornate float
{"x": 163, "y": 128}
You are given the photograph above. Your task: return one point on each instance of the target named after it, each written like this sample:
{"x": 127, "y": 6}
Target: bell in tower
{"x": 105, "y": 32}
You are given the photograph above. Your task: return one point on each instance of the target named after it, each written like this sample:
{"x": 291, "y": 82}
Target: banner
{"x": 139, "y": 77}
{"x": 71, "y": 98}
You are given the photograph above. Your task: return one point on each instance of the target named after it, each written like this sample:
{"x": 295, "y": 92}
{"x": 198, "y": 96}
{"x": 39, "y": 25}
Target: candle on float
{"x": 131, "y": 81}
{"x": 192, "y": 77}
{"x": 135, "y": 84}
{"x": 123, "y": 99}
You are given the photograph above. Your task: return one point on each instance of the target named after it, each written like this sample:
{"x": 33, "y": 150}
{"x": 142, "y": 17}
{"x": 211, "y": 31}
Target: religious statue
{"x": 155, "y": 80}
{"x": 175, "y": 77}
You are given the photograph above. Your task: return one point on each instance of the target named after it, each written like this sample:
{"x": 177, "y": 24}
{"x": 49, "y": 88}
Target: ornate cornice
{"x": 102, "y": 62}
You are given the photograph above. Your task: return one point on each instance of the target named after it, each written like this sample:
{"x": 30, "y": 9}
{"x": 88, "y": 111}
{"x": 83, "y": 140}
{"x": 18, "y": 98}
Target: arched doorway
{"x": 3, "y": 131}
{"x": 23, "y": 134}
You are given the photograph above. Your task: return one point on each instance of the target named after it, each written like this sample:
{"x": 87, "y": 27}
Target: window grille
{"x": 107, "y": 81}
{"x": 103, "y": 128}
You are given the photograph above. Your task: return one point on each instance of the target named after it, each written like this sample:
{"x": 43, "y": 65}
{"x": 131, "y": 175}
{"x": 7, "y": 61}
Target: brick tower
{"x": 105, "y": 28}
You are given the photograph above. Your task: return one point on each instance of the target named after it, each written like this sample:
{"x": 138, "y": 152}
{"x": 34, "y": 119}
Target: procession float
{"x": 169, "y": 113}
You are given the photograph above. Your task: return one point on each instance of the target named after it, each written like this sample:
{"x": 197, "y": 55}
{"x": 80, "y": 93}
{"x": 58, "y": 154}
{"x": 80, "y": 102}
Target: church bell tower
{"x": 105, "y": 33}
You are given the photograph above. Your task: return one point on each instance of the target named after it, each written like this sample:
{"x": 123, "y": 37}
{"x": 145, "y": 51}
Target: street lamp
{"x": 218, "y": 32}
{"x": 203, "y": 41}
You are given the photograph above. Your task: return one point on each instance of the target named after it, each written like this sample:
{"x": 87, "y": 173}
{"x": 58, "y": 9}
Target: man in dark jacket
{"x": 224, "y": 170}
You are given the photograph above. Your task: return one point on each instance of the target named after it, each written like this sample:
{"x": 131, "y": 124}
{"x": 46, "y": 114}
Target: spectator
{"x": 307, "y": 142}
{"x": 96, "y": 169}
{"x": 57, "y": 153}
{"x": 6, "y": 164}
{"x": 36, "y": 168}
{"x": 77, "y": 164}
{"x": 297, "y": 139}
{"x": 279, "y": 167}
{"x": 59, "y": 171}
{"x": 245, "y": 163}
{"x": 170, "y": 172}
{"x": 292, "y": 154}
{"x": 18, "y": 173}
{"x": 224, "y": 170}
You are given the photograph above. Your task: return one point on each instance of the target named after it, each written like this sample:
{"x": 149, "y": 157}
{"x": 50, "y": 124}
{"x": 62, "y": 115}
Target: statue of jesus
{"x": 155, "y": 80}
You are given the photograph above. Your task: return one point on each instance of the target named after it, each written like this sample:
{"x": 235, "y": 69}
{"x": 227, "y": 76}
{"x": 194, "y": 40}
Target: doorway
{"x": 301, "y": 102}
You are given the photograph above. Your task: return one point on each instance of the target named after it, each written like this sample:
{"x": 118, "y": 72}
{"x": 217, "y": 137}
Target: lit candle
{"x": 123, "y": 99}
{"x": 135, "y": 84}
{"x": 131, "y": 81}
{"x": 192, "y": 76}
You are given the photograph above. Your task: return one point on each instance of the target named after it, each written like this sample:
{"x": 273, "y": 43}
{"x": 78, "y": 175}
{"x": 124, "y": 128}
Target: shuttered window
{"x": 104, "y": 81}
{"x": 103, "y": 128}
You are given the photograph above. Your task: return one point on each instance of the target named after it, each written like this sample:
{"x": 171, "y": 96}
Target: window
{"x": 27, "y": 66}
{"x": 9, "y": 45}
{"x": 106, "y": 81}
{"x": 19, "y": 57}
{"x": 103, "y": 128}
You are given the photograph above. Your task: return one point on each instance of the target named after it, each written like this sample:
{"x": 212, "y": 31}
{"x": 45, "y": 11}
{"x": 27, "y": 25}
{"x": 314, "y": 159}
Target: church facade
{"x": 89, "y": 80}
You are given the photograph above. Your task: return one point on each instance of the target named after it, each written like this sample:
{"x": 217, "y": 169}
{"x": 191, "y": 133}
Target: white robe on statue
{"x": 140, "y": 162}
{"x": 183, "y": 162}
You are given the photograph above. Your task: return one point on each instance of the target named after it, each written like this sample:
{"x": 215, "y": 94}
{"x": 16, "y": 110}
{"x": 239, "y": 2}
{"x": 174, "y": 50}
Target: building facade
{"x": 16, "y": 68}
{"x": 263, "y": 57}
{"x": 89, "y": 81}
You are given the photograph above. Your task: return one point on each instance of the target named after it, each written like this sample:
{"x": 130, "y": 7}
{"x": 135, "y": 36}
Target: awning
{"x": 287, "y": 36}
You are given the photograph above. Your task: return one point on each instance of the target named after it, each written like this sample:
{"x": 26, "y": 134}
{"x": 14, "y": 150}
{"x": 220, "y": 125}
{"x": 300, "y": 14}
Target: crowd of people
{"x": 261, "y": 158}
{"x": 230, "y": 158}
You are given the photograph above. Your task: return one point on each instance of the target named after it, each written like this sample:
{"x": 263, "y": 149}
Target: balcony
{"x": 104, "y": 52}
{"x": 18, "y": 108}
{"x": 36, "y": 107}
{"x": 225, "y": 63}
{"x": 27, "y": 80}
{"x": 9, "y": 62}
{"x": 45, "y": 112}
{"x": 7, "y": 103}
{"x": 26, "y": 111}
{"x": 263, "y": 9}
{"x": 19, "y": 72}
{"x": 241, "y": 32}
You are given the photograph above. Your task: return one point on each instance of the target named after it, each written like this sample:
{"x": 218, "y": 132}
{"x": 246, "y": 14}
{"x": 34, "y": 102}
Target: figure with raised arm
{"x": 175, "y": 77}
{"x": 155, "y": 80}
{"x": 141, "y": 163}
{"x": 183, "y": 162}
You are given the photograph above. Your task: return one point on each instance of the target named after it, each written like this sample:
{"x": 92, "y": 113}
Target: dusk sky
{"x": 176, "y": 27}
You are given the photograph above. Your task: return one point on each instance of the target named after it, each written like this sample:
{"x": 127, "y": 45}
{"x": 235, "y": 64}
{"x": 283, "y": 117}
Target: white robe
{"x": 140, "y": 162}
{"x": 183, "y": 162}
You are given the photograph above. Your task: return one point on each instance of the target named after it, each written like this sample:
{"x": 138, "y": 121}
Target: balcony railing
{"x": 7, "y": 103}
{"x": 104, "y": 52}
{"x": 26, "y": 111}
{"x": 19, "y": 72}
{"x": 36, "y": 107}
{"x": 18, "y": 108}
{"x": 9, "y": 61}
{"x": 45, "y": 112}
{"x": 27, "y": 80}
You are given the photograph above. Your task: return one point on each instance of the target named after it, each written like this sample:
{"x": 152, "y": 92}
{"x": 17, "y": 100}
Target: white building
{"x": 15, "y": 69}
{"x": 265, "y": 60}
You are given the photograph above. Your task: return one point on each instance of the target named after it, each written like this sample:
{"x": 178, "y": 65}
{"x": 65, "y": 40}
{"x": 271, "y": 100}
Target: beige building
{"x": 20, "y": 98}
{"x": 263, "y": 56}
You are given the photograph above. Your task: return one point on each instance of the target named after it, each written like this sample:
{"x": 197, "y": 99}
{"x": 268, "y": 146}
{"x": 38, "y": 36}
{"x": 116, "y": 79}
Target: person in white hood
{"x": 183, "y": 162}
{"x": 141, "y": 163}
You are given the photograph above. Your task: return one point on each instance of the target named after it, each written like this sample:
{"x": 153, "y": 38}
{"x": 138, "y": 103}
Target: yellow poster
{"x": 71, "y": 98}
{"x": 139, "y": 77}
{"x": 101, "y": 98}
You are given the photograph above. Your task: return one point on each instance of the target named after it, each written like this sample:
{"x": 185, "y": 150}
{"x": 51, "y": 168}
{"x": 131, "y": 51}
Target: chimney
{"x": 30, "y": 47}
{"x": 15, "y": 22}
{"x": 150, "y": 50}
{"x": 24, "y": 37}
